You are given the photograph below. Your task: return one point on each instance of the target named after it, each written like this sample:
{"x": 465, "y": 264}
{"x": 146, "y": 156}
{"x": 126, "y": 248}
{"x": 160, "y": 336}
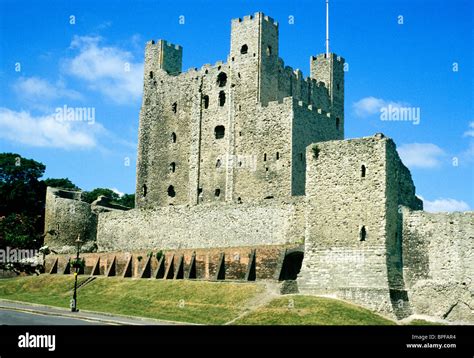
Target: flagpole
{"x": 327, "y": 28}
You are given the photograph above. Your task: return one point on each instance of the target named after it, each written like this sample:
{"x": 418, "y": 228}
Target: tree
{"x": 63, "y": 183}
{"x": 127, "y": 200}
{"x": 19, "y": 185}
{"x": 21, "y": 201}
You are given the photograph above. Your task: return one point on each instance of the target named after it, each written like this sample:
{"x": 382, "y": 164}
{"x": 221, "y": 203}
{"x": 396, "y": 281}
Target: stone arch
{"x": 222, "y": 79}
{"x": 291, "y": 265}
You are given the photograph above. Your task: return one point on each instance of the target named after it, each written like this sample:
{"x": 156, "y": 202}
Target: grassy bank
{"x": 187, "y": 301}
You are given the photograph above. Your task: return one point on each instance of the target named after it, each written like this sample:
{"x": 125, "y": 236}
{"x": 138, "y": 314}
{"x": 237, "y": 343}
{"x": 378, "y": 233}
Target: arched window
{"x": 205, "y": 102}
{"x": 269, "y": 50}
{"x": 362, "y": 171}
{"x": 221, "y": 79}
{"x": 244, "y": 49}
{"x": 144, "y": 190}
{"x": 171, "y": 192}
{"x": 173, "y": 137}
{"x": 337, "y": 123}
{"x": 221, "y": 98}
{"x": 219, "y": 132}
{"x": 362, "y": 233}
{"x": 264, "y": 157}
{"x": 172, "y": 167}
{"x": 217, "y": 193}
{"x": 218, "y": 163}
{"x": 174, "y": 107}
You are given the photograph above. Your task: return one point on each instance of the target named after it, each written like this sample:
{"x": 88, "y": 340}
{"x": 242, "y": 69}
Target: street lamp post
{"x": 74, "y": 297}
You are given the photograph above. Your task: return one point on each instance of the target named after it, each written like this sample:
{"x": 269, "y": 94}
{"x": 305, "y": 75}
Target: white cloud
{"x": 116, "y": 191}
{"x": 108, "y": 70}
{"x": 46, "y": 131}
{"x": 38, "y": 89}
{"x": 445, "y": 205}
{"x": 370, "y": 105}
{"x": 421, "y": 155}
{"x": 470, "y": 131}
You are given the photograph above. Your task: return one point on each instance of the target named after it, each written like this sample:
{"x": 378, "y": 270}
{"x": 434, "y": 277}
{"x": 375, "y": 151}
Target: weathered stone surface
{"x": 246, "y": 153}
{"x": 202, "y": 226}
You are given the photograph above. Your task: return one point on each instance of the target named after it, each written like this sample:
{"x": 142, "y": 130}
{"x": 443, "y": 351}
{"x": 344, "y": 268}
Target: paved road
{"x": 16, "y": 318}
{"x": 18, "y": 313}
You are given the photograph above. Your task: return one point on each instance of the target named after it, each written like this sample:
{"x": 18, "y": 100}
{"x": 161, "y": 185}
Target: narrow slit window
{"x": 362, "y": 233}
{"x": 221, "y": 98}
{"x": 362, "y": 171}
{"x": 174, "y": 107}
{"x": 173, "y": 137}
{"x": 205, "y": 102}
{"x": 172, "y": 167}
{"x": 171, "y": 191}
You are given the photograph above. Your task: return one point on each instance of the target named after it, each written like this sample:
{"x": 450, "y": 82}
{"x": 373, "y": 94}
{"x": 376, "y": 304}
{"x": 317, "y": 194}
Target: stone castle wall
{"x": 353, "y": 243}
{"x": 438, "y": 259}
{"x": 202, "y": 226}
{"x": 66, "y": 218}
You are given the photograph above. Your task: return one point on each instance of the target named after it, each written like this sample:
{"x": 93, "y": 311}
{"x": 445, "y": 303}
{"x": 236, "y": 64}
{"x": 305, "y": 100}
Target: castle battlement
{"x": 254, "y": 17}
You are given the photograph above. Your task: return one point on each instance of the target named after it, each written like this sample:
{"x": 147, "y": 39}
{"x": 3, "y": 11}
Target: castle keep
{"x": 235, "y": 131}
{"x": 243, "y": 173}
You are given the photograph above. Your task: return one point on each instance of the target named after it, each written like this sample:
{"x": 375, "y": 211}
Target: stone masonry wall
{"x": 351, "y": 244}
{"x": 438, "y": 259}
{"x": 202, "y": 226}
{"x": 66, "y": 217}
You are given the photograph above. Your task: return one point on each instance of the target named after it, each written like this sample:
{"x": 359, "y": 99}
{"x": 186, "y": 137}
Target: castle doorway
{"x": 291, "y": 265}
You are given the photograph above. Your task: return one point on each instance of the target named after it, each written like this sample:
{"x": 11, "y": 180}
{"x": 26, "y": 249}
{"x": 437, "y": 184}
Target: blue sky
{"x": 411, "y": 54}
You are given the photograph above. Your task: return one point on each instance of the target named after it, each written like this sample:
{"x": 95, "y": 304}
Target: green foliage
{"x": 63, "y": 183}
{"x": 159, "y": 254}
{"x": 22, "y": 198}
{"x": 77, "y": 263}
{"x": 139, "y": 258}
{"x": 20, "y": 188}
{"x": 20, "y": 230}
{"x": 127, "y": 200}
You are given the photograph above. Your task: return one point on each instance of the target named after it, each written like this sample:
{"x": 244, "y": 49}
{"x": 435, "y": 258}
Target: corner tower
{"x": 254, "y": 57}
{"x": 330, "y": 70}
